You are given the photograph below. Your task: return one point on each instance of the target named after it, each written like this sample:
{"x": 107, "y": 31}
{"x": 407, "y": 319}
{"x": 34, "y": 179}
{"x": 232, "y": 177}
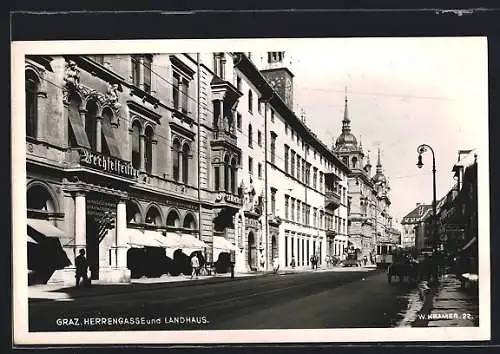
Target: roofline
{"x": 244, "y": 64}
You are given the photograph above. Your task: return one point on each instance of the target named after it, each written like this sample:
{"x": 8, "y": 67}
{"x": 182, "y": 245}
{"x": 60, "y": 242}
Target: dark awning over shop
{"x": 109, "y": 135}
{"x": 78, "y": 129}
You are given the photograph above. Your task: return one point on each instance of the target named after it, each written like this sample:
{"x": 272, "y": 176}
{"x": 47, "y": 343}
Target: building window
{"x": 259, "y": 170}
{"x": 238, "y": 120}
{"x": 250, "y": 165}
{"x": 148, "y": 154}
{"x": 176, "y": 156}
{"x": 238, "y": 83}
{"x": 91, "y": 124}
{"x": 219, "y": 64}
{"x": 250, "y": 101}
{"x": 287, "y": 149}
{"x": 273, "y": 147}
{"x": 217, "y": 178}
{"x": 293, "y": 136}
{"x": 292, "y": 210}
{"x": 226, "y": 173}
{"x": 315, "y": 217}
{"x": 273, "y": 201}
{"x": 250, "y": 136}
{"x": 321, "y": 181}
{"x": 147, "y": 73}
{"x": 298, "y": 211}
{"x": 272, "y": 115}
{"x": 315, "y": 175}
{"x": 259, "y": 106}
{"x": 180, "y": 92}
{"x": 286, "y": 128}
{"x": 259, "y": 138}
{"x": 31, "y": 87}
{"x": 136, "y": 145}
{"x": 286, "y": 206}
{"x": 292, "y": 163}
{"x": 298, "y": 167}
{"x": 234, "y": 179}
{"x": 141, "y": 71}
{"x": 186, "y": 152}
{"x": 304, "y": 213}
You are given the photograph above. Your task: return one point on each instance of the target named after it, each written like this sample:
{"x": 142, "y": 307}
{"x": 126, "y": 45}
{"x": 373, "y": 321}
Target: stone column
{"x": 141, "y": 73}
{"x": 98, "y": 134}
{"x": 222, "y": 123}
{"x": 83, "y": 112}
{"x": 121, "y": 234}
{"x": 80, "y": 222}
{"x": 142, "y": 151}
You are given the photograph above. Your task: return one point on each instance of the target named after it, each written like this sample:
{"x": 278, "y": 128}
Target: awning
{"x": 223, "y": 244}
{"x": 468, "y": 244}
{"x": 44, "y": 228}
{"x": 31, "y": 240}
{"x": 78, "y": 129}
{"x": 109, "y": 135}
{"x": 138, "y": 238}
{"x": 188, "y": 243}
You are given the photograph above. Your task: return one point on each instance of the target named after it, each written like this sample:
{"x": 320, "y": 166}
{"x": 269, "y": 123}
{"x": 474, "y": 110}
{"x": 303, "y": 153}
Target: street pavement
{"x": 321, "y": 299}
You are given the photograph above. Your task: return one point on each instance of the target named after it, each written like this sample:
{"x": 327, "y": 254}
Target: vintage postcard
{"x": 244, "y": 191}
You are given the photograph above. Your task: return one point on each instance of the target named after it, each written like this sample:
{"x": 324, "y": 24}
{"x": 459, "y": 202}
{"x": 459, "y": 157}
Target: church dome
{"x": 379, "y": 177}
{"x": 347, "y": 139}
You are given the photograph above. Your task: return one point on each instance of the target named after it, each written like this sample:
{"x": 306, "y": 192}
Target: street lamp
{"x": 420, "y": 150}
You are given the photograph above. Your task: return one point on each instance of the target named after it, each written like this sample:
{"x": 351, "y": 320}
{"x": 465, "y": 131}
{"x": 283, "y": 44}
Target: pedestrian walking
{"x": 292, "y": 262}
{"x": 81, "y": 266}
{"x": 276, "y": 265}
{"x": 365, "y": 260}
{"x": 312, "y": 262}
{"x": 195, "y": 265}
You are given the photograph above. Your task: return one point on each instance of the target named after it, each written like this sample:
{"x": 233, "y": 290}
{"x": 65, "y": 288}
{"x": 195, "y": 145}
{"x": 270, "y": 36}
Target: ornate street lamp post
{"x": 420, "y": 150}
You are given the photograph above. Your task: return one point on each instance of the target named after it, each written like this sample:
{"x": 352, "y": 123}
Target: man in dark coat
{"x": 81, "y": 268}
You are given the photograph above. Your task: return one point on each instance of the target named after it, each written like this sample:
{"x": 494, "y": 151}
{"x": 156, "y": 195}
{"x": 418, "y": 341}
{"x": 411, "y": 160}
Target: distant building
{"x": 410, "y": 222}
{"x": 370, "y": 221}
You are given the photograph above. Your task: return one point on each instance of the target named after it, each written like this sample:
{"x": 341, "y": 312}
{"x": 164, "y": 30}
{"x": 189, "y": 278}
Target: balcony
{"x": 157, "y": 183}
{"x": 331, "y": 233}
{"x": 332, "y": 200}
{"x": 224, "y": 138}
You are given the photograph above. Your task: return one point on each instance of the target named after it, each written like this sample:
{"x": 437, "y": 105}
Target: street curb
{"x": 158, "y": 285}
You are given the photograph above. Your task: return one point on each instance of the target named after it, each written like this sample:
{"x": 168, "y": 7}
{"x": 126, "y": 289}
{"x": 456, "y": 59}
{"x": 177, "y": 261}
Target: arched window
{"x": 39, "y": 198}
{"x": 173, "y": 219}
{"x": 31, "y": 87}
{"x": 250, "y": 135}
{"x": 234, "y": 167}
{"x": 149, "y": 149}
{"x": 250, "y": 101}
{"x": 226, "y": 173}
{"x": 345, "y": 160}
{"x": 186, "y": 152}
{"x": 189, "y": 222}
{"x": 90, "y": 124}
{"x": 136, "y": 145}
{"x": 133, "y": 213}
{"x": 217, "y": 177}
{"x": 354, "y": 162}
{"x": 176, "y": 153}
{"x": 153, "y": 216}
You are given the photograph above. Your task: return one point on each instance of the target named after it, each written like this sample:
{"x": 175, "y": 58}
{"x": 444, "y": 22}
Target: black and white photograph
{"x": 253, "y": 190}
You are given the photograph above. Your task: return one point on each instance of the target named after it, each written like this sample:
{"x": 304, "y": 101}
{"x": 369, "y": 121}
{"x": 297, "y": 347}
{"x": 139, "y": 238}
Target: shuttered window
{"x": 109, "y": 135}
{"x": 77, "y": 128}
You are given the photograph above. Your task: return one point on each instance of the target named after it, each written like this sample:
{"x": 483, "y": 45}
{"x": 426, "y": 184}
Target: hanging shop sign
{"x": 108, "y": 164}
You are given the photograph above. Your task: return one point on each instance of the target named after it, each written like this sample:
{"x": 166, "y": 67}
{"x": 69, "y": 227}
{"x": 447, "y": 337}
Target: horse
{"x": 409, "y": 270}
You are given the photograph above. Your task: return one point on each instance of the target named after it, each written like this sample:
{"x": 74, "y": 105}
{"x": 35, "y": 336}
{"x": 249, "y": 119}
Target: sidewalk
{"x": 448, "y": 304}
{"x": 61, "y": 292}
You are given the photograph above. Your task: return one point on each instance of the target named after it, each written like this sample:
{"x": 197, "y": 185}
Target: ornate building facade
{"x": 370, "y": 222}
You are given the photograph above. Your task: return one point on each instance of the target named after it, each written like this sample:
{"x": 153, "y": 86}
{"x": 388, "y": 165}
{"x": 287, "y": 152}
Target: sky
{"x": 402, "y": 92}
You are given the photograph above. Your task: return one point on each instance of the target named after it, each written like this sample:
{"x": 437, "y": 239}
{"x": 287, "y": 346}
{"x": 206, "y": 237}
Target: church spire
{"x": 379, "y": 164}
{"x": 346, "y": 122}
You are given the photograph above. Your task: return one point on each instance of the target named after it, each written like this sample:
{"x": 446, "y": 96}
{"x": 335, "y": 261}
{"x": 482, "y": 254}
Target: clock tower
{"x": 279, "y": 77}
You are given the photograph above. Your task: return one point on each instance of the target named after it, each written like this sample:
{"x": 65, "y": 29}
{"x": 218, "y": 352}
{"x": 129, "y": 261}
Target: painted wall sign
{"x": 108, "y": 164}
